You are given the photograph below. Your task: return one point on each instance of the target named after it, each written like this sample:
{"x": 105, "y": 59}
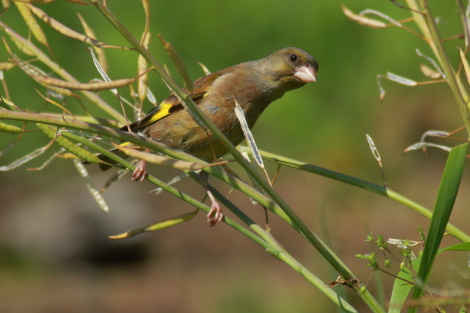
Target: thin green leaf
{"x": 360, "y": 183}
{"x": 401, "y": 288}
{"x": 33, "y": 26}
{"x": 101, "y": 70}
{"x": 5, "y": 66}
{"x": 178, "y": 62}
{"x": 464, "y": 246}
{"x": 91, "y": 34}
{"x": 70, "y": 146}
{"x": 38, "y": 75}
{"x": 142, "y": 65}
{"x": 156, "y": 226}
{"x": 248, "y": 135}
{"x": 11, "y": 129}
{"x": 64, "y": 30}
{"x": 445, "y": 201}
{"x": 465, "y": 66}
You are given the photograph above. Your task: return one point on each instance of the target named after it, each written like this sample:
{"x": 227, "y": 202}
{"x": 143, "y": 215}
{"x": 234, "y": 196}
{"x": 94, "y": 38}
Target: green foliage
{"x": 78, "y": 131}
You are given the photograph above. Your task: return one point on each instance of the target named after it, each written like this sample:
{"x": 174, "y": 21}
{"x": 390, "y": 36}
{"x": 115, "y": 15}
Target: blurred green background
{"x": 54, "y": 250}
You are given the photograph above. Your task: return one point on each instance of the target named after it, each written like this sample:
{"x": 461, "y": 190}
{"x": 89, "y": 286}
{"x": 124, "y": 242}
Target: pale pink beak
{"x": 306, "y": 74}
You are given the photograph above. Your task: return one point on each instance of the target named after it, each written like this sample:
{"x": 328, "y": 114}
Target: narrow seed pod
{"x": 79, "y": 152}
{"x": 11, "y": 129}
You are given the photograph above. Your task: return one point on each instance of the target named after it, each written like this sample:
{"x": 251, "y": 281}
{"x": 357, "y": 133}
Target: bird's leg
{"x": 140, "y": 171}
{"x": 216, "y": 214}
{"x": 212, "y": 146}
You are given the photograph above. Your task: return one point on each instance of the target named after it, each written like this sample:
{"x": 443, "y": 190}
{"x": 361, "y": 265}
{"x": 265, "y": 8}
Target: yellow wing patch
{"x": 172, "y": 104}
{"x": 164, "y": 109}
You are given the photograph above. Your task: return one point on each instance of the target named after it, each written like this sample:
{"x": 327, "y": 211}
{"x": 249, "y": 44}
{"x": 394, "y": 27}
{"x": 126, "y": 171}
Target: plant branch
{"x": 363, "y": 184}
{"x": 426, "y": 23}
{"x": 32, "y": 49}
{"x": 342, "y": 269}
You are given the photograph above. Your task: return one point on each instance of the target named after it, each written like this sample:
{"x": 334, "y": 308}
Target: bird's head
{"x": 290, "y": 68}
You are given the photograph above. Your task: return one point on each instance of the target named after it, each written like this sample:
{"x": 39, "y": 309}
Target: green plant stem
{"x": 195, "y": 111}
{"x": 19, "y": 40}
{"x": 428, "y": 26}
{"x": 151, "y": 178}
{"x": 273, "y": 247}
{"x": 395, "y": 276}
{"x": 262, "y": 237}
{"x": 189, "y": 199}
{"x": 363, "y": 184}
{"x": 327, "y": 253}
{"x": 138, "y": 140}
{"x": 447, "y": 67}
{"x": 421, "y": 23}
{"x": 218, "y": 134}
{"x": 446, "y": 196}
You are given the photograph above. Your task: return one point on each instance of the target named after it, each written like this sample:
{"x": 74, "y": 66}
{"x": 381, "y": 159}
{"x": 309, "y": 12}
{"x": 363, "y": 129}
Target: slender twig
{"x": 326, "y": 252}
{"x": 363, "y": 184}
{"x": 60, "y": 71}
{"x": 428, "y": 26}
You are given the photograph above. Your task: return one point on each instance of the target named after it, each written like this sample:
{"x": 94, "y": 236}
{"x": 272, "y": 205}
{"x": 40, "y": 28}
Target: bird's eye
{"x": 293, "y": 57}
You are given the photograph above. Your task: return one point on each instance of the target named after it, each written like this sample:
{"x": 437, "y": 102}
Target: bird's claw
{"x": 215, "y": 215}
{"x": 140, "y": 172}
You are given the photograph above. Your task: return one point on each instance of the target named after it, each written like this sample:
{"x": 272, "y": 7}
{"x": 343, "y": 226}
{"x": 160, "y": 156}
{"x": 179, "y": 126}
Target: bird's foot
{"x": 140, "y": 171}
{"x": 216, "y": 214}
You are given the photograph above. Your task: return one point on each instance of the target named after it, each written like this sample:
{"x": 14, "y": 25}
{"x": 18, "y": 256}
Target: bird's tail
{"x": 107, "y": 162}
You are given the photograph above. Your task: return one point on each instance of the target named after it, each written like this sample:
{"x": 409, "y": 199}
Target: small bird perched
{"x": 253, "y": 84}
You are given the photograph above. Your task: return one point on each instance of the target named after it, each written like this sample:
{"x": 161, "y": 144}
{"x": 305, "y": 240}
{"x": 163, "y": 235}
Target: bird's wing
{"x": 173, "y": 104}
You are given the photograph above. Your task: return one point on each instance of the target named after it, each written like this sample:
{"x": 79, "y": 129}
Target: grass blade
{"x": 401, "y": 289}
{"x": 445, "y": 201}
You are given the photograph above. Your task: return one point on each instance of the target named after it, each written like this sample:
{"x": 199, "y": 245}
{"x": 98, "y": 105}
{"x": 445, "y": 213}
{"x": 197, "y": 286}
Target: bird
{"x": 253, "y": 84}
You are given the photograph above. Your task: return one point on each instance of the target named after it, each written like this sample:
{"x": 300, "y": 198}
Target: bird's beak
{"x": 306, "y": 74}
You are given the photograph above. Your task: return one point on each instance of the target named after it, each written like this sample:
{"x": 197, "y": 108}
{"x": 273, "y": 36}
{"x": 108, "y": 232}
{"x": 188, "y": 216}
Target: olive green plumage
{"x": 253, "y": 84}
